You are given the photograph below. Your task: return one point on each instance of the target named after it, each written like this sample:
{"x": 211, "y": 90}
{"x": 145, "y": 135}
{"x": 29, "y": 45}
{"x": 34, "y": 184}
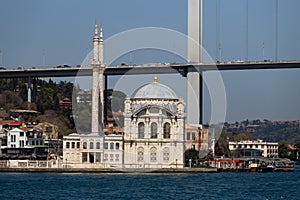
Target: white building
{"x": 154, "y": 122}
{"x": 92, "y": 151}
{"x": 269, "y": 149}
{"x": 19, "y": 138}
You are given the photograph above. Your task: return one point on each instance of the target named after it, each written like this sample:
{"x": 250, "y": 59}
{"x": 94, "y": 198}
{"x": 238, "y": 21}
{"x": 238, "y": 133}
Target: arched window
{"x": 166, "y": 154}
{"x": 91, "y": 145}
{"x": 67, "y": 145}
{"x": 140, "y": 156}
{"x": 154, "y": 130}
{"x": 98, "y": 145}
{"x": 117, "y": 146}
{"x": 153, "y": 154}
{"x": 111, "y": 145}
{"x": 141, "y": 130}
{"x": 167, "y": 130}
{"x": 84, "y": 145}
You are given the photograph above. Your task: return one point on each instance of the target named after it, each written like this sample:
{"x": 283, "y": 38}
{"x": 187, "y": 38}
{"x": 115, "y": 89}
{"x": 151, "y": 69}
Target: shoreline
{"x": 108, "y": 171}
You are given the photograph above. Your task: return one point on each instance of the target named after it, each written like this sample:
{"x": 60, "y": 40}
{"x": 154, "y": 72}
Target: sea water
{"x": 246, "y": 185}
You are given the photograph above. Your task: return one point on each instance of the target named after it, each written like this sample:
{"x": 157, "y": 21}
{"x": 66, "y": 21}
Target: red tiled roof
{"x": 15, "y": 123}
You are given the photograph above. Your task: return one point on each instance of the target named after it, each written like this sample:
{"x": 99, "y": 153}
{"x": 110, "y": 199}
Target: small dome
{"x": 154, "y": 90}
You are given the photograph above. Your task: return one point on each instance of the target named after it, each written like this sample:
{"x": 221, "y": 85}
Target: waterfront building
{"x": 22, "y": 137}
{"x": 92, "y": 150}
{"x": 266, "y": 149}
{"x": 154, "y": 122}
{"x": 82, "y": 150}
{"x": 197, "y": 138}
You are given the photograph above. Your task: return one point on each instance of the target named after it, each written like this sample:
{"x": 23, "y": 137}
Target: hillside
{"x": 273, "y": 131}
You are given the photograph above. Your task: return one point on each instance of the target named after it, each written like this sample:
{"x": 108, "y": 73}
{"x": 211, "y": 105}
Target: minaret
{"x": 101, "y": 72}
{"x": 95, "y": 84}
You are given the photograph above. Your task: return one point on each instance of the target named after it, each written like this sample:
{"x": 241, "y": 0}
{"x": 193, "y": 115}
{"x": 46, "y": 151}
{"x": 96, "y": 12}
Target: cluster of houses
{"x": 28, "y": 140}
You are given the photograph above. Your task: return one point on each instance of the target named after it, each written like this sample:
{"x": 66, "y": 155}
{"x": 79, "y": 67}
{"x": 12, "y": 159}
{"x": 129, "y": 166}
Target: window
{"x": 141, "y": 130}
{"x": 167, "y": 130}
{"x": 256, "y": 146}
{"x": 98, "y": 145}
{"x": 105, "y": 157}
{"x": 98, "y": 157}
{"x": 105, "y": 145}
{"x": 84, "y": 157}
{"x": 154, "y": 130}
{"x": 117, "y": 158}
{"x": 188, "y": 136}
{"x": 73, "y": 145}
{"x": 67, "y": 144}
{"x": 78, "y": 145}
{"x": 84, "y": 145}
{"x": 193, "y": 136}
{"x": 91, "y": 145}
{"x": 111, "y": 157}
{"x": 21, "y": 134}
{"x": 91, "y": 157}
{"x": 153, "y": 154}
{"x": 166, "y": 154}
{"x": 111, "y": 145}
{"x": 117, "y": 146}
{"x": 140, "y": 156}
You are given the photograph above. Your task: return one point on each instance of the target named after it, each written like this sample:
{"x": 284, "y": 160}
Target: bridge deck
{"x": 147, "y": 69}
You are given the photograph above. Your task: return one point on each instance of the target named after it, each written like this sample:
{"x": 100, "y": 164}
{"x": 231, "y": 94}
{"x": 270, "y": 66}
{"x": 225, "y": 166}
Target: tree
{"x": 283, "y": 151}
{"x": 191, "y": 154}
{"x": 222, "y": 146}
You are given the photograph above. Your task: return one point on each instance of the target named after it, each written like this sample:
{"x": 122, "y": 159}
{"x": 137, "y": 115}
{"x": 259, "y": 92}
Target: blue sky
{"x": 36, "y": 33}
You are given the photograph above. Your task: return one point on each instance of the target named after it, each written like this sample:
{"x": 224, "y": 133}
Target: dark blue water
{"x": 279, "y": 185}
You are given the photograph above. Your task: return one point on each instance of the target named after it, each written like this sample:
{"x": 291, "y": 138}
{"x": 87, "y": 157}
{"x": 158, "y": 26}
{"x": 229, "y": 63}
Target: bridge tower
{"x": 97, "y": 82}
{"x": 194, "y": 92}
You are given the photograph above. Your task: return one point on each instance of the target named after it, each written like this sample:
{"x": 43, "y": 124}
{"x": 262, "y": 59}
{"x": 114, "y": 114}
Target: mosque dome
{"x": 154, "y": 90}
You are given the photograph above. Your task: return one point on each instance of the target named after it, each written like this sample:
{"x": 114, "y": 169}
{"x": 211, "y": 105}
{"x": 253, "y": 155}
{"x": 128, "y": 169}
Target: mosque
{"x": 154, "y": 128}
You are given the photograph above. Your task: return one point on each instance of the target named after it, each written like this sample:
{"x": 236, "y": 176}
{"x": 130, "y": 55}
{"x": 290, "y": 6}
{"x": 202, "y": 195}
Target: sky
{"x": 36, "y": 33}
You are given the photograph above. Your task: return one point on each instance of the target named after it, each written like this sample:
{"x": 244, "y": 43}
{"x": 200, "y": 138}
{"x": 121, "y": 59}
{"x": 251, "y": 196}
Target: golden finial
{"x": 155, "y": 81}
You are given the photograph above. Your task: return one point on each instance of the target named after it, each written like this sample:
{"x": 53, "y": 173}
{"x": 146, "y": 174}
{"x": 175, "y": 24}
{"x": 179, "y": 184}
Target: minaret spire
{"x": 96, "y": 31}
{"x": 101, "y": 47}
{"x": 95, "y": 60}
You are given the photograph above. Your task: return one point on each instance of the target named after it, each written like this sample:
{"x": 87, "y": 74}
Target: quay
{"x": 259, "y": 164}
